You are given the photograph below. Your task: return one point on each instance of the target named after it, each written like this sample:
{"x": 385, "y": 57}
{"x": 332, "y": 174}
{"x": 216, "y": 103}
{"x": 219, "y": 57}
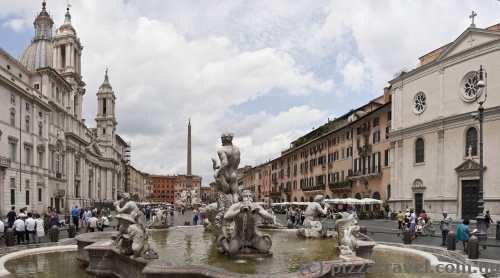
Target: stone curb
{"x": 6, "y": 258}
{"x": 24, "y": 247}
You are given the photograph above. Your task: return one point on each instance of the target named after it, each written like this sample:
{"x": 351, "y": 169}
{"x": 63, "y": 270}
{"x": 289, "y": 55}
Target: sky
{"x": 268, "y": 71}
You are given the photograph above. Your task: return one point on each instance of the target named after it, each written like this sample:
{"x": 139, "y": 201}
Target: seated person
{"x": 420, "y": 225}
{"x": 428, "y": 229}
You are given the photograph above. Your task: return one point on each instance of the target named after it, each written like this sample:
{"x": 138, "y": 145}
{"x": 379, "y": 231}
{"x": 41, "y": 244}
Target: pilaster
{"x": 441, "y": 92}
{"x": 400, "y": 167}
{"x": 440, "y": 162}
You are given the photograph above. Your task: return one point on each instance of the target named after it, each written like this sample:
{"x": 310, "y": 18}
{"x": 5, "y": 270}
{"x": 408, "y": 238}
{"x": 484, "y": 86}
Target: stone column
{"x": 71, "y": 55}
{"x": 400, "y": 106}
{"x": 109, "y": 184}
{"x": 441, "y": 92}
{"x": 54, "y": 57}
{"x": 70, "y": 165}
{"x": 440, "y": 159}
{"x": 394, "y": 184}
{"x": 58, "y": 51}
{"x": 67, "y": 60}
{"x": 79, "y": 62}
{"x": 400, "y": 167}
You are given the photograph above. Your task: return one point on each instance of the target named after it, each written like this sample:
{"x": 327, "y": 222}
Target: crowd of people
{"x": 26, "y": 223}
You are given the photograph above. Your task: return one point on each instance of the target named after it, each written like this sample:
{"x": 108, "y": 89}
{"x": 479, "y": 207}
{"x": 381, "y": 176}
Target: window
{"x": 37, "y": 86}
{"x": 376, "y": 162}
{"x": 27, "y": 126}
{"x": 12, "y": 146}
{"x": 104, "y": 106}
{"x": 77, "y": 168}
{"x": 12, "y": 182}
{"x": 57, "y": 118}
{"x": 387, "y": 131}
{"x": 40, "y": 159}
{"x": 419, "y": 103}
{"x": 376, "y": 137}
{"x": 471, "y": 141}
{"x": 27, "y": 151}
{"x": 12, "y": 196}
{"x": 387, "y": 157}
{"x": 27, "y": 197}
{"x": 389, "y": 115}
{"x": 57, "y": 92}
{"x": 349, "y": 135}
{"x": 349, "y": 151}
{"x": 103, "y": 131}
{"x": 27, "y": 106}
{"x": 12, "y": 98}
{"x": 56, "y": 159}
{"x": 40, "y": 195}
{"x": 376, "y": 122}
{"x": 419, "y": 150}
{"x": 12, "y": 118}
{"x": 27, "y": 183}
{"x": 40, "y": 130}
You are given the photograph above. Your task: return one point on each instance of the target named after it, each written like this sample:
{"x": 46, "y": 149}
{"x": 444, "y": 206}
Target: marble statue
{"x": 209, "y": 213}
{"x": 160, "y": 220}
{"x": 226, "y": 181}
{"x": 225, "y": 173}
{"x": 346, "y": 229}
{"x": 132, "y": 235}
{"x": 311, "y": 228}
{"x": 273, "y": 224}
{"x": 245, "y": 238}
{"x": 188, "y": 199}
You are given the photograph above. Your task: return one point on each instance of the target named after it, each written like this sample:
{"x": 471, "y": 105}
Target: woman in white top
{"x": 103, "y": 222}
{"x": 39, "y": 227}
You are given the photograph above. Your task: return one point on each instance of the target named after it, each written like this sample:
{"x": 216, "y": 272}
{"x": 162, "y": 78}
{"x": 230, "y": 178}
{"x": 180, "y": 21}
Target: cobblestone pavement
{"x": 383, "y": 230}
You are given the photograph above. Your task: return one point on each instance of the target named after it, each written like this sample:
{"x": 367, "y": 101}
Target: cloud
{"x": 16, "y": 24}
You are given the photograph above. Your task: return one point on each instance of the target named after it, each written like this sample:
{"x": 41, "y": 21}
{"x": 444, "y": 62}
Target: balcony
{"x": 368, "y": 173}
{"x": 287, "y": 190}
{"x": 275, "y": 194}
{"x": 340, "y": 185}
{"x": 59, "y": 192}
{"x": 330, "y": 164}
{"x": 4, "y": 162}
{"x": 275, "y": 180}
{"x": 313, "y": 190}
{"x": 323, "y": 165}
{"x": 365, "y": 150}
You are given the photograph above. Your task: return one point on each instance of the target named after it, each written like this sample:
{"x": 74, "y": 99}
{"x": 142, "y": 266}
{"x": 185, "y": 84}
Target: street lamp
{"x": 480, "y": 219}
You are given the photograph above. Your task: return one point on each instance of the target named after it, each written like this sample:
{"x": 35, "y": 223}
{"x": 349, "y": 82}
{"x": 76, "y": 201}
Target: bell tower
{"x": 106, "y": 119}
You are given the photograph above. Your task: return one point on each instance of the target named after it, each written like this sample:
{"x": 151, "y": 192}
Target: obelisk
{"x": 189, "y": 175}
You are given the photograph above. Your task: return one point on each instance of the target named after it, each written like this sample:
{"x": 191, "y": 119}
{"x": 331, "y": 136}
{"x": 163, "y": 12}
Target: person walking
{"x": 488, "y": 221}
{"x": 444, "y": 227}
{"x": 195, "y": 217}
{"x": 11, "y": 216}
{"x": 400, "y": 219}
{"x": 93, "y": 223}
{"x": 75, "y": 213}
{"x": 39, "y": 227}
{"x": 86, "y": 217}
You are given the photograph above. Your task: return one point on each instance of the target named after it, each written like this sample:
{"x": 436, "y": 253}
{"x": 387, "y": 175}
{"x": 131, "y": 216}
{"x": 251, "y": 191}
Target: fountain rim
{"x": 4, "y": 272}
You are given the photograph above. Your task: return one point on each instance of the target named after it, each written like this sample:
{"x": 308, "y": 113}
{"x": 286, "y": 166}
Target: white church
{"x": 434, "y": 134}
{"x": 48, "y": 155}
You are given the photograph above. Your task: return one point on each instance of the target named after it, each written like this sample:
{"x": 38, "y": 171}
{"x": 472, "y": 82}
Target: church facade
{"x": 434, "y": 134}
{"x": 48, "y": 155}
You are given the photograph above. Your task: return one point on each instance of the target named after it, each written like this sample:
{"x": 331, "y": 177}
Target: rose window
{"x": 419, "y": 103}
{"x": 469, "y": 89}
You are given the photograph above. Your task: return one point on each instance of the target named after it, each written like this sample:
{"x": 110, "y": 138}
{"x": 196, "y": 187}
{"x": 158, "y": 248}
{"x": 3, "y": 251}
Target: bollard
{"x": 498, "y": 230}
{"x": 473, "y": 248}
{"x": 362, "y": 229}
{"x": 451, "y": 241}
{"x": 187, "y": 223}
{"x": 54, "y": 234}
{"x": 9, "y": 237}
{"x": 66, "y": 218}
{"x": 71, "y": 230}
{"x": 406, "y": 236}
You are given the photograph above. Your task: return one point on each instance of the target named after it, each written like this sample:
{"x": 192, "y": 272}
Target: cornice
{"x": 25, "y": 94}
{"x": 440, "y": 125}
{"x": 434, "y": 66}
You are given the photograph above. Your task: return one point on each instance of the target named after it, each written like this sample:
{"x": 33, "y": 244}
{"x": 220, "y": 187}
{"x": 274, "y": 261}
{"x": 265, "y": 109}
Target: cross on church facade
{"x": 472, "y": 16}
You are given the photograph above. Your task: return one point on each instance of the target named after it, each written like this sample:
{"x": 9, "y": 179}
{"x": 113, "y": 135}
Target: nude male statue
{"x": 245, "y": 231}
{"x": 225, "y": 173}
{"x": 313, "y": 210}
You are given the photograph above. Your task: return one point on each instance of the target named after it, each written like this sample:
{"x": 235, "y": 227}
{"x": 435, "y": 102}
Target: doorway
{"x": 470, "y": 188}
{"x": 57, "y": 205}
{"x": 419, "y": 199}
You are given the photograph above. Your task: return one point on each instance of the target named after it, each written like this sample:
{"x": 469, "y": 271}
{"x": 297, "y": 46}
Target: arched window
{"x": 344, "y": 196}
{"x": 311, "y": 199}
{"x": 302, "y": 199}
{"x": 419, "y": 150}
{"x": 376, "y": 195}
{"x": 327, "y": 197}
{"x": 358, "y": 196}
{"x": 471, "y": 141}
{"x": 57, "y": 158}
{"x": 388, "y": 192}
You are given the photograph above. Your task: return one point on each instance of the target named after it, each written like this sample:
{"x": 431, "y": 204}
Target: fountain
{"x": 188, "y": 199}
{"x": 311, "y": 228}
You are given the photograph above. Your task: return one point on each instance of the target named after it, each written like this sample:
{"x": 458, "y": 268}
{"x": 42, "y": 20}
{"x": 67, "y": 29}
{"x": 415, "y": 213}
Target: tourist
{"x": 92, "y": 223}
{"x": 3, "y": 228}
{"x": 465, "y": 233}
{"x": 46, "y": 220}
{"x": 22, "y": 214}
{"x": 75, "y": 213}
{"x": 30, "y": 227}
{"x": 11, "y": 216}
{"x": 148, "y": 213}
{"x": 428, "y": 229}
{"x": 302, "y": 217}
{"x": 19, "y": 229}
{"x": 39, "y": 227}
{"x": 444, "y": 227}
{"x": 413, "y": 218}
{"x": 420, "y": 226}
{"x": 54, "y": 219}
{"x": 195, "y": 217}
{"x": 400, "y": 219}
{"x": 488, "y": 221}
{"x": 104, "y": 222}
{"x": 86, "y": 217}
{"x": 292, "y": 215}
{"x": 353, "y": 212}
{"x": 423, "y": 215}
{"x": 172, "y": 215}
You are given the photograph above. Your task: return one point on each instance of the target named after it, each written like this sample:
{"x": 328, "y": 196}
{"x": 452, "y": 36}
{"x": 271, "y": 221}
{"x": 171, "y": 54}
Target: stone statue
{"x": 245, "y": 238}
{"x": 273, "y": 224}
{"x": 160, "y": 220}
{"x": 347, "y": 228}
{"x": 225, "y": 173}
{"x": 470, "y": 153}
{"x": 311, "y": 228}
{"x": 132, "y": 235}
{"x": 209, "y": 213}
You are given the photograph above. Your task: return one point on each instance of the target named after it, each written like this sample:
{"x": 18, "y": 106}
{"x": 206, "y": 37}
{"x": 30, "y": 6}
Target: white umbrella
{"x": 334, "y": 201}
{"x": 371, "y": 201}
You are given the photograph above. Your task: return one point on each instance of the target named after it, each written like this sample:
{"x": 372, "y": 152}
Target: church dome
{"x": 37, "y": 55}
